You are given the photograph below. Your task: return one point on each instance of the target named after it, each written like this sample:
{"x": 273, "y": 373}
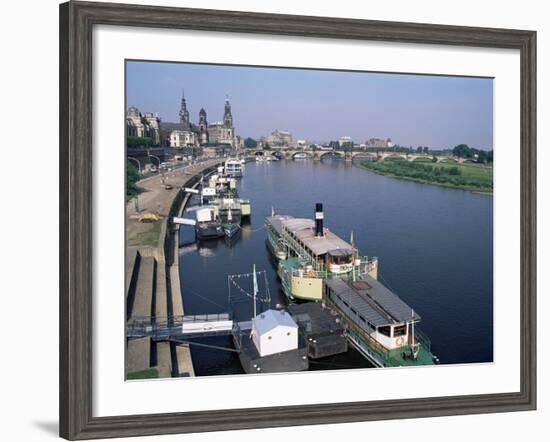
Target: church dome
{"x": 133, "y": 111}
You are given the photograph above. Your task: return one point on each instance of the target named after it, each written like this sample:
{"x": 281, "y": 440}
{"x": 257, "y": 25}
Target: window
{"x": 269, "y": 337}
{"x": 385, "y": 330}
{"x": 400, "y": 330}
{"x": 353, "y": 311}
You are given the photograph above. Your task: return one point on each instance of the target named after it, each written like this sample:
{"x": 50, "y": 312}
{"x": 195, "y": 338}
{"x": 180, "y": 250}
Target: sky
{"x": 321, "y": 105}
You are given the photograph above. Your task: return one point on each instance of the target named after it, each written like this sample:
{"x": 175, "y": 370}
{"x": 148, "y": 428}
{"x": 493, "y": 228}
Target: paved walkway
{"x": 154, "y": 197}
{"x": 148, "y": 240}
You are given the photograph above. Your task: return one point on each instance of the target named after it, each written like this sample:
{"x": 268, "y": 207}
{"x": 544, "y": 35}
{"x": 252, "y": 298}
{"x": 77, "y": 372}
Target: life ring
{"x": 399, "y": 341}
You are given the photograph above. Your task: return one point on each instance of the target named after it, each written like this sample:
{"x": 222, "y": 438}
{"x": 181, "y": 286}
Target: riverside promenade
{"x": 152, "y": 270}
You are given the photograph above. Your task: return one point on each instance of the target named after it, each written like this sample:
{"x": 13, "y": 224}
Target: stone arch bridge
{"x": 289, "y": 154}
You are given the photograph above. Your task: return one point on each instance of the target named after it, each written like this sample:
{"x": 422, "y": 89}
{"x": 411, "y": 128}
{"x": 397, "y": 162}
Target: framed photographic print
{"x": 311, "y": 220}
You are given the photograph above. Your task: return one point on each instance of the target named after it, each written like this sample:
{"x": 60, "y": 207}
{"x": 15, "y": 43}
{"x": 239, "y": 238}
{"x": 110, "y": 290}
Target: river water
{"x": 434, "y": 245}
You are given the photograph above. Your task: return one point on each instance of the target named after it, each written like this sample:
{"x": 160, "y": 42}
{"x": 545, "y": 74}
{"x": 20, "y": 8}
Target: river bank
{"x": 152, "y": 272}
{"x": 471, "y": 177}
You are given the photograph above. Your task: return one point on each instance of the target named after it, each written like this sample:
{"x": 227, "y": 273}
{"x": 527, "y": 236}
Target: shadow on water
{"x": 434, "y": 246}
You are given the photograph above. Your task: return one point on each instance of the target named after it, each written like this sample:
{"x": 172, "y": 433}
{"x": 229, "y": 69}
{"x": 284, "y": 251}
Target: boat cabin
{"x": 205, "y": 214}
{"x": 274, "y": 331}
{"x": 375, "y": 311}
{"x": 328, "y": 251}
{"x": 233, "y": 167}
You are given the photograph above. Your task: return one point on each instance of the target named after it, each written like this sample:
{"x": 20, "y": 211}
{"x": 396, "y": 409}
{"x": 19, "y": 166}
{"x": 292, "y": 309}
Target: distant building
{"x": 211, "y": 152}
{"x": 345, "y": 141}
{"x": 153, "y": 121}
{"x": 379, "y": 142}
{"x": 145, "y": 125}
{"x": 182, "y": 138}
{"x": 222, "y": 132}
{"x": 280, "y": 139}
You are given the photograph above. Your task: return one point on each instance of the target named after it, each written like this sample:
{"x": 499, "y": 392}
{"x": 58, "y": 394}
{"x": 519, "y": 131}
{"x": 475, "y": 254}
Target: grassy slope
{"x": 150, "y": 373}
{"x": 473, "y": 177}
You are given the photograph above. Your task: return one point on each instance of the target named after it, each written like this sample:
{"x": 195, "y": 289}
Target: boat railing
{"x": 423, "y": 338}
{"x": 309, "y": 273}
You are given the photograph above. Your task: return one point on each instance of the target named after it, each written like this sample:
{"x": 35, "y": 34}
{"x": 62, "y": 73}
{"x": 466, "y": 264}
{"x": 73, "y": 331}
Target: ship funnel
{"x": 319, "y": 216}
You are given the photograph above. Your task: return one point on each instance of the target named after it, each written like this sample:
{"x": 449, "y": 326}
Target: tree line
{"x": 478, "y": 155}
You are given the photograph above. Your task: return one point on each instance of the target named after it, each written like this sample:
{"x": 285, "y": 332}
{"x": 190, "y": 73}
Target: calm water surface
{"x": 434, "y": 245}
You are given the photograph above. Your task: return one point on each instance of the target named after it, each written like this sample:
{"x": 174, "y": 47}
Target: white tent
{"x": 274, "y": 331}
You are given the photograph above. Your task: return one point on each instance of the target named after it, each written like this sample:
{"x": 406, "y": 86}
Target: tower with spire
{"x": 203, "y": 127}
{"x": 227, "y": 117}
{"x": 184, "y": 113}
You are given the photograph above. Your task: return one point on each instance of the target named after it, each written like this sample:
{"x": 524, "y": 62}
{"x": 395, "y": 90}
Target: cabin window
{"x": 353, "y": 311}
{"x": 345, "y": 303}
{"x": 385, "y": 330}
{"x": 361, "y": 318}
{"x": 399, "y": 330}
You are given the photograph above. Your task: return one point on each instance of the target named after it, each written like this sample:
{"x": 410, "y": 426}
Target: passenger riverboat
{"x": 207, "y": 227}
{"x": 234, "y": 168}
{"x": 308, "y": 254}
{"x": 378, "y": 323}
{"x": 224, "y": 186}
{"x": 314, "y": 264}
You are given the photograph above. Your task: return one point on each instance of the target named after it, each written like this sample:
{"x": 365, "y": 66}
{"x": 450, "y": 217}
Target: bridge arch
{"x": 394, "y": 156}
{"x": 331, "y": 153}
{"x": 299, "y": 152}
{"x": 422, "y": 158}
{"x": 364, "y": 156}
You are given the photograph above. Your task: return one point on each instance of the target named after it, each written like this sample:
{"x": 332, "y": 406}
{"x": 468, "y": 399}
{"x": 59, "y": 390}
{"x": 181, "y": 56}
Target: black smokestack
{"x": 319, "y": 220}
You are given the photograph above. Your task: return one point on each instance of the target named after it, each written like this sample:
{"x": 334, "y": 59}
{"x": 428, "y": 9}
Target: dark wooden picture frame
{"x": 76, "y": 243}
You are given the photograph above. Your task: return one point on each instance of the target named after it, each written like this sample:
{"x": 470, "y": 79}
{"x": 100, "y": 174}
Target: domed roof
{"x": 132, "y": 110}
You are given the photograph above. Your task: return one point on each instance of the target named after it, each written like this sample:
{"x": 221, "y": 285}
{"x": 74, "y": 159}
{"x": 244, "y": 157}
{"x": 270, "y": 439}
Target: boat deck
{"x": 321, "y": 328}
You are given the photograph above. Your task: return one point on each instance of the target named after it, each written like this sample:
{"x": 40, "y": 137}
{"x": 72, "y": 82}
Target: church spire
{"x": 227, "y": 117}
{"x": 184, "y": 113}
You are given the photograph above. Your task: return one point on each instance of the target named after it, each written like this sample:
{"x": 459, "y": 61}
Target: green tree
{"x": 132, "y": 177}
{"x": 482, "y": 156}
{"x": 250, "y": 143}
{"x": 463, "y": 151}
{"x": 139, "y": 141}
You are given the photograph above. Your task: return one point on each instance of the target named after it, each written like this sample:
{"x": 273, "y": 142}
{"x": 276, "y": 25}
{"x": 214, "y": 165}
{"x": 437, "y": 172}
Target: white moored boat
{"x": 234, "y": 168}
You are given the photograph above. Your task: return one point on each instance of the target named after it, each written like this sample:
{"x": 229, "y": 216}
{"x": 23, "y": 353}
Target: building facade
{"x": 145, "y": 125}
{"x": 345, "y": 141}
{"x": 183, "y": 138}
{"x": 222, "y": 132}
{"x": 280, "y": 139}
{"x": 379, "y": 142}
